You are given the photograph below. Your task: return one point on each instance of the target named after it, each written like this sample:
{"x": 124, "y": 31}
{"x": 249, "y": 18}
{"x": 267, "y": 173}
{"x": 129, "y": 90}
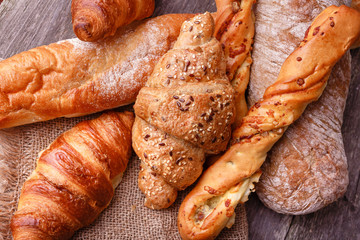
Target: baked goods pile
{"x": 188, "y": 77}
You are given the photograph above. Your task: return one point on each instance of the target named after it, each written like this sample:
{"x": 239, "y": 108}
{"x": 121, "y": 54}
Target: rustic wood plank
{"x": 265, "y": 223}
{"x": 184, "y": 6}
{"x": 40, "y": 25}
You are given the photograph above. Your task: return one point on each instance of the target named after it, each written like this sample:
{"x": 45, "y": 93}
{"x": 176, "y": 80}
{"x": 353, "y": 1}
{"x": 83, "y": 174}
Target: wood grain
{"x": 44, "y": 22}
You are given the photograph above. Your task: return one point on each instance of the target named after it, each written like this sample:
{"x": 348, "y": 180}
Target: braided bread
{"x": 234, "y": 28}
{"x": 209, "y": 207}
{"x": 74, "y": 179}
{"x": 96, "y": 19}
{"x": 184, "y": 112}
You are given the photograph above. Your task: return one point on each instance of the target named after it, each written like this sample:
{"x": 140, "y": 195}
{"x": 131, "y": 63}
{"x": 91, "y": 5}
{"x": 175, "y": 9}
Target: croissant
{"x": 73, "y": 78}
{"x": 209, "y": 207}
{"x": 96, "y": 19}
{"x": 74, "y": 179}
{"x": 184, "y": 111}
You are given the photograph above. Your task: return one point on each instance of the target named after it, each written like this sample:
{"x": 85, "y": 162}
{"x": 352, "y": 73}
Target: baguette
{"x": 209, "y": 207}
{"x": 73, "y": 78}
{"x": 96, "y": 19}
{"x": 74, "y": 179}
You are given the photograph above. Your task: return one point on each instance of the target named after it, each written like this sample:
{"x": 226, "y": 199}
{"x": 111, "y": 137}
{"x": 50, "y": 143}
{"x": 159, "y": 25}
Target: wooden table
{"x": 25, "y": 24}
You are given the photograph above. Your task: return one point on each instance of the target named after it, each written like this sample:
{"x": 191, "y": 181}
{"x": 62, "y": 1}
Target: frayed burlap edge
{"x": 10, "y": 151}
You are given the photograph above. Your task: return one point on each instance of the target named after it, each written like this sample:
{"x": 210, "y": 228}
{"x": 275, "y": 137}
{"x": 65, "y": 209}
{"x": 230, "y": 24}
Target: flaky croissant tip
{"x": 85, "y": 30}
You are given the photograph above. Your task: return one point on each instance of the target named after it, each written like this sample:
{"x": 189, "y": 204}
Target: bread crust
{"x": 72, "y": 78}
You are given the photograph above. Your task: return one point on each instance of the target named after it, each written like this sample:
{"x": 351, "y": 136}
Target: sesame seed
{"x": 178, "y": 160}
{"x": 187, "y": 64}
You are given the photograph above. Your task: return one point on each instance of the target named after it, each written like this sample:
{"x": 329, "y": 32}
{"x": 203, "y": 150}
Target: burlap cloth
{"x": 125, "y": 218}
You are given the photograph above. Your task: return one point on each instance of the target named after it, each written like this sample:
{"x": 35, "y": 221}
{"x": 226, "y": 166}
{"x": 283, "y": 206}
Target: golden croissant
{"x": 96, "y": 19}
{"x": 74, "y": 179}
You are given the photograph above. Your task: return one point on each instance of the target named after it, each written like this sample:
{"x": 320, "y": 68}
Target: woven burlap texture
{"x": 125, "y": 218}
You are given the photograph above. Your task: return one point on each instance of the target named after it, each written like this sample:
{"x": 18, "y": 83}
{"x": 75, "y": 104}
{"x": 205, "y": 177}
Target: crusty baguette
{"x": 307, "y": 168}
{"x": 74, "y": 179}
{"x": 96, "y": 19}
{"x": 74, "y": 78}
{"x": 184, "y": 111}
{"x": 209, "y": 207}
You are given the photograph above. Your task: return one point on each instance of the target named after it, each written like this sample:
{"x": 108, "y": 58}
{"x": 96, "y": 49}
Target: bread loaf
{"x": 73, "y": 78}
{"x": 96, "y": 19}
{"x": 74, "y": 179}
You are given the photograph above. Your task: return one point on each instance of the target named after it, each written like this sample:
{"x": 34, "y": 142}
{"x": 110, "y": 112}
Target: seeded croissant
{"x": 209, "y": 207}
{"x": 74, "y": 179}
{"x": 184, "y": 112}
{"x": 96, "y": 19}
